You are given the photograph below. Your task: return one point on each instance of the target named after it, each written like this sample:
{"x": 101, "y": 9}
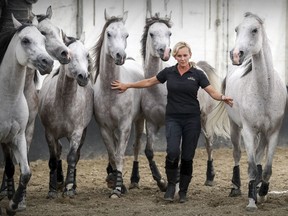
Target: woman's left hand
{"x": 116, "y": 84}
{"x": 228, "y": 100}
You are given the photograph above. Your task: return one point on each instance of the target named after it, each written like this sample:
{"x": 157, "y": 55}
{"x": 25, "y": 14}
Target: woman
{"x": 182, "y": 119}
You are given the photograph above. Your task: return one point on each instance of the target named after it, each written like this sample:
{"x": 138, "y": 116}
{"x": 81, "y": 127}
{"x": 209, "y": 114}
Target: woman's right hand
{"x": 116, "y": 84}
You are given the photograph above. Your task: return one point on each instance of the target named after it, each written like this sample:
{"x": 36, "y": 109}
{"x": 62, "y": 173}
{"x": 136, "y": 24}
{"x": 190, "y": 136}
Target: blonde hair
{"x": 180, "y": 45}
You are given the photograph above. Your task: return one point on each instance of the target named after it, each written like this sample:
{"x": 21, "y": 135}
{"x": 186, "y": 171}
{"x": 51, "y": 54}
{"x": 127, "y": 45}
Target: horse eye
{"x": 25, "y": 41}
{"x": 108, "y": 34}
{"x": 127, "y": 35}
{"x": 170, "y": 33}
{"x": 43, "y": 33}
{"x": 151, "y": 35}
{"x": 254, "y": 31}
{"x": 236, "y": 30}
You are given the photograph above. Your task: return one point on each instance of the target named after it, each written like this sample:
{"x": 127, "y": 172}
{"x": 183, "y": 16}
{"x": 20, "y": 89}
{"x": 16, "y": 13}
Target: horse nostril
{"x": 118, "y": 55}
{"x": 64, "y": 54}
{"x": 241, "y": 53}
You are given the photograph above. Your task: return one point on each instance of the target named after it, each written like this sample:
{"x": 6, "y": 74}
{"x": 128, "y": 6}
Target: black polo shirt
{"x": 182, "y": 90}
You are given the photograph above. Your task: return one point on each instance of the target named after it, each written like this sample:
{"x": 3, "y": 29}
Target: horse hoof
{"x": 134, "y": 185}
{"x": 235, "y": 192}
{"x": 21, "y": 205}
{"x": 69, "y": 193}
{"x": 162, "y": 184}
{"x": 261, "y": 199}
{"x": 115, "y": 194}
{"x": 251, "y": 205}
{"x": 209, "y": 183}
{"x": 52, "y": 195}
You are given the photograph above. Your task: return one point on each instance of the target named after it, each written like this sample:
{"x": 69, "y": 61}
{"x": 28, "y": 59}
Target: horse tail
{"x": 213, "y": 78}
{"x": 218, "y": 122}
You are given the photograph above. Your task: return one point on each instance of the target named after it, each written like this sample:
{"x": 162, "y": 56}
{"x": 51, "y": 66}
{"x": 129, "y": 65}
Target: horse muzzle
{"x": 44, "y": 65}
{"x": 236, "y": 56}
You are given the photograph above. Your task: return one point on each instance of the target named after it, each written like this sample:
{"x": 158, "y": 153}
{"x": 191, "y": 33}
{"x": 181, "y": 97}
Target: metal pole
{"x": 79, "y": 21}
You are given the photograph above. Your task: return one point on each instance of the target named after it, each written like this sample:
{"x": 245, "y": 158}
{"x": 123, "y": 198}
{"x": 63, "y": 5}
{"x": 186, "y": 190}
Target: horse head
{"x": 249, "y": 39}
{"x": 115, "y": 37}
{"x": 54, "y": 41}
{"x": 80, "y": 64}
{"x": 156, "y": 37}
{"x": 30, "y": 47}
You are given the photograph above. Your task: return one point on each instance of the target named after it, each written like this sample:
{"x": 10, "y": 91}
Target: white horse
{"x": 26, "y": 48}
{"x": 116, "y": 113}
{"x": 259, "y": 103}
{"x": 155, "y": 50}
{"x": 65, "y": 110}
{"x": 57, "y": 50}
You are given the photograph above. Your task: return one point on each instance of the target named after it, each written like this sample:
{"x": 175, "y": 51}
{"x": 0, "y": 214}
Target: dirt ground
{"x": 92, "y": 197}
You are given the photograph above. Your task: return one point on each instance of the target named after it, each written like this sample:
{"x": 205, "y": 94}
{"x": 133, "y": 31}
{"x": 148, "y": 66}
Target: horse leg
{"x": 7, "y": 186}
{"x": 152, "y": 130}
{"x": 267, "y": 172}
{"x": 210, "y": 173}
{"x": 260, "y": 151}
{"x": 236, "y": 180}
{"x": 53, "y": 161}
{"x": 135, "y": 177}
{"x": 76, "y": 142}
{"x": 60, "y": 175}
{"x": 119, "y": 158}
{"x": 250, "y": 139}
{"x": 20, "y": 153}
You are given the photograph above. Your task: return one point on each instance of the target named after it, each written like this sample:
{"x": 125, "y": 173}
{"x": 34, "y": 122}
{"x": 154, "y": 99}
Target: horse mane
{"x": 6, "y": 37}
{"x": 96, "y": 50}
{"x": 149, "y": 22}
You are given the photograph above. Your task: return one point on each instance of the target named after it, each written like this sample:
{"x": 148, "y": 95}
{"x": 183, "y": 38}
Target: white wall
{"x": 208, "y": 25}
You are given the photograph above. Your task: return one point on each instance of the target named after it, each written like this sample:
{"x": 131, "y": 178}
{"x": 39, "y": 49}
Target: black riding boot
{"x": 172, "y": 179}
{"x": 183, "y": 187}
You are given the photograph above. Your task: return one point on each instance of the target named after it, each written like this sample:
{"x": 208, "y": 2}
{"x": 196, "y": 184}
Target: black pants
{"x": 182, "y": 134}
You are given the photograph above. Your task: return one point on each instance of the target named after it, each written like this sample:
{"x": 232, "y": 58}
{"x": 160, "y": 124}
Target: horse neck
{"x": 108, "y": 71}
{"x": 29, "y": 80}
{"x": 263, "y": 68}
{"x": 12, "y": 74}
{"x": 66, "y": 87}
{"x": 152, "y": 65}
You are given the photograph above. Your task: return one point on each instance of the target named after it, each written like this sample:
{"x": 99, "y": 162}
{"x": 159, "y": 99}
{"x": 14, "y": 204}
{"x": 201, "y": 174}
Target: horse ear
{"x": 107, "y": 17}
{"x": 35, "y": 21}
{"x": 82, "y": 37}
{"x": 125, "y": 15}
{"x": 66, "y": 40}
{"x": 49, "y": 12}
{"x": 148, "y": 14}
{"x": 16, "y": 23}
{"x": 169, "y": 16}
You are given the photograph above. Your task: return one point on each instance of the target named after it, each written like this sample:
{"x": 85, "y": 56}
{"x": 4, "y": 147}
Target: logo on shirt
{"x": 191, "y": 78}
